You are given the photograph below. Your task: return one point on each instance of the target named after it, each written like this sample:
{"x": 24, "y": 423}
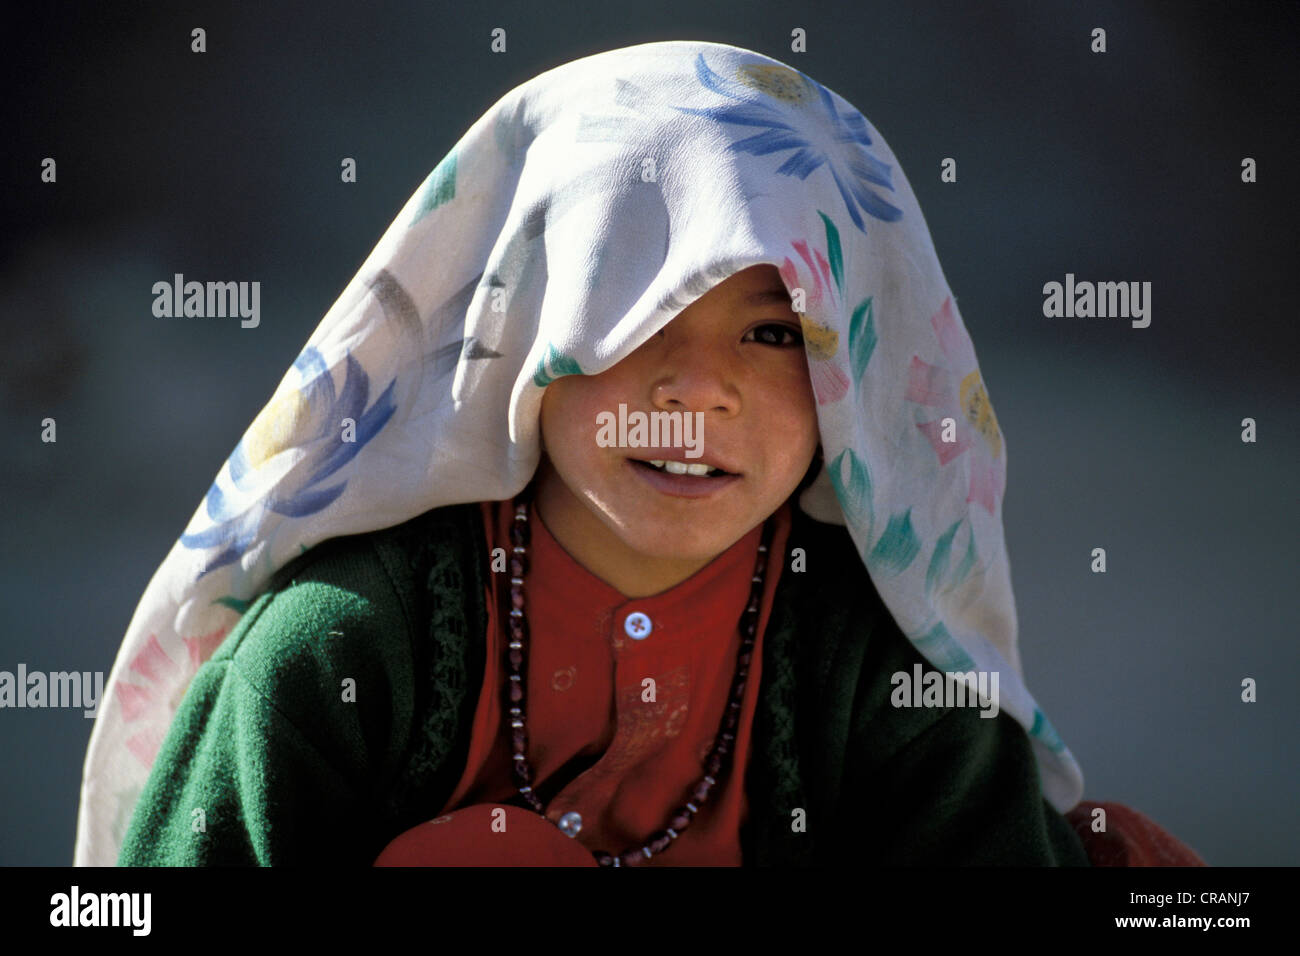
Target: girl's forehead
{"x": 741, "y": 296}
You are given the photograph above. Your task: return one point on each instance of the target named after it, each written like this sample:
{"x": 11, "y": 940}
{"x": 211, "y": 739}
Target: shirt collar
{"x": 696, "y": 609}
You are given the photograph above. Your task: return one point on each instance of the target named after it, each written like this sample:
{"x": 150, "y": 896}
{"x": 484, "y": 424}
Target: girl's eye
{"x": 765, "y": 334}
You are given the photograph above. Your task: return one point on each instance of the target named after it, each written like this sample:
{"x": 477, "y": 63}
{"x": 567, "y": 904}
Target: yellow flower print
{"x": 779, "y": 82}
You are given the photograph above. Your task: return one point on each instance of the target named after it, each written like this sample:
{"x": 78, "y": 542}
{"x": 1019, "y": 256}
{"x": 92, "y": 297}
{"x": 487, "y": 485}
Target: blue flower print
{"x": 310, "y": 418}
{"x": 796, "y": 112}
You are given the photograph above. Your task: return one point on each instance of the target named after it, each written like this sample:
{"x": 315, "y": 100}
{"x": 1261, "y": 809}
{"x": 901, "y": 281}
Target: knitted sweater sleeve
{"x": 965, "y": 792}
{"x": 286, "y": 736}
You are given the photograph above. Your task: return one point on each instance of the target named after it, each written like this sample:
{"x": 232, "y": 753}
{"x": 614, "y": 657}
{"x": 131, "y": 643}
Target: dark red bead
{"x": 729, "y": 722}
{"x": 603, "y": 858}
{"x": 516, "y": 657}
{"x": 632, "y": 858}
{"x": 520, "y": 739}
{"x": 517, "y": 599}
{"x": 518, "y": 566}
{"x": 659, "y": 841}
{"x": 714, "y": 766}
{"x": 701, "y": 792}
{"x": 722, "y": 747}
{"x": 518, "y": 537}
{"x": 744, "y": 659}
{"x": 681, "y": 819}
{"x": 737, "y": 691}
{"x": 516, "y": 691}
{"x": 750, "y": 630}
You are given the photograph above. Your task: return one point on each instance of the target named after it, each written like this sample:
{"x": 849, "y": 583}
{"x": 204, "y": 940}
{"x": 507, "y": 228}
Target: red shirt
{"x": 596, "y": 747}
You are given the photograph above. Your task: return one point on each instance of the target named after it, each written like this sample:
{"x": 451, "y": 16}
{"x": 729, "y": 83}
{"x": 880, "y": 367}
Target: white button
{"x": 638, "y": 626}
{"x": 571, "y": 823}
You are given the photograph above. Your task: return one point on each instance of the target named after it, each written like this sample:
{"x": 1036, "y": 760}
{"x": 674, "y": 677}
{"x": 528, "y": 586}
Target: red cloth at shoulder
{"x": 1130, "y": 838}
{"x": 454, "y": 839}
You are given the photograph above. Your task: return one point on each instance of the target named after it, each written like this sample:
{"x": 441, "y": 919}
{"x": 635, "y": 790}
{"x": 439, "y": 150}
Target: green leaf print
{"x": 833, "y": 251}
{"x": 938, "y": 574}
{"x": 862, "y": 338}
{"x": 554, "y": 364}
{"x": 852, "y": 483}
{"x": 941, "y": 649}
{"x": 898, "y": 546}
{"x": 1045, "y": 732}
{"x": 439, "y": 187}
{"x": 233, "y": 603}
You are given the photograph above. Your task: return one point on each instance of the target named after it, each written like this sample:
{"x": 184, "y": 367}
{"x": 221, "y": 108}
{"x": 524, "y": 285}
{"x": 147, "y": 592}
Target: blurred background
{"x": 1122, "y": 166}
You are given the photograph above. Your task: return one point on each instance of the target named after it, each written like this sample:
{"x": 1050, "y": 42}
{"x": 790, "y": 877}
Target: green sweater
{"x": 288, "y": 772}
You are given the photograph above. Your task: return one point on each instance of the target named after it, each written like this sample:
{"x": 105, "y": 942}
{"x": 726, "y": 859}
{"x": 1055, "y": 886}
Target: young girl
{"x": 630, "y": 506}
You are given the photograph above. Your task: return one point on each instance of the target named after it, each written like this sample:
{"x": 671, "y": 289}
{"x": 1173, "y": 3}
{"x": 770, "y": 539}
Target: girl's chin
{"x": 667, "y": 536}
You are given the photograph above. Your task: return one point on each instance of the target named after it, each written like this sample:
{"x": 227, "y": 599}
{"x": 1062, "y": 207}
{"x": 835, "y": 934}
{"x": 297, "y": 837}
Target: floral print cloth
{"x": 571, "y": 222}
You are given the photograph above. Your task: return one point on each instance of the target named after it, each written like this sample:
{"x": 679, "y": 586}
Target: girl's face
{"x": 736, "y": 355}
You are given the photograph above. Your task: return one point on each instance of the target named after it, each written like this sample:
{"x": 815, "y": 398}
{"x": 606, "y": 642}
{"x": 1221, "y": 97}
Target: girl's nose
{"x": 700, "y": 388}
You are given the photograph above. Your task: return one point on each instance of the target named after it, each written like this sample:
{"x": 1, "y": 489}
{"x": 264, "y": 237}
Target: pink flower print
{"x": 956, "y": 390}
{"x": 144, "y": 705}
{"x": 829, "y": 380}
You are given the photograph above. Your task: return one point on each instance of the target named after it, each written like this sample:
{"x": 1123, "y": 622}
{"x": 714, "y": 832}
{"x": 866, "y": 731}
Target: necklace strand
{"x": 720, "y": 757}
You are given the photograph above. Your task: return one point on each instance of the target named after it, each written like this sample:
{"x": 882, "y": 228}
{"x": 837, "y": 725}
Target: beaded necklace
{"x": 719, "y": 760}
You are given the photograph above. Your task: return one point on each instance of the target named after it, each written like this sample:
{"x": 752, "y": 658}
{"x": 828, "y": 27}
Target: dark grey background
{"x": 1122, "y": 166}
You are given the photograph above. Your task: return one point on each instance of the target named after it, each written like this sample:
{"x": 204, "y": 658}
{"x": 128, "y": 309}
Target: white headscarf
{"x": 577, "y": 217}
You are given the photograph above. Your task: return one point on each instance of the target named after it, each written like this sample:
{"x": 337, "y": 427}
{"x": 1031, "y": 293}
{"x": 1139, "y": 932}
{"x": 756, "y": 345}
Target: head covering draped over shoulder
{"x": 577, "y": 217}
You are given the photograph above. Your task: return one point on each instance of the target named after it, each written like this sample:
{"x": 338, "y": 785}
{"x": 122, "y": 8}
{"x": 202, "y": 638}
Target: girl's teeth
{"x": 681, "y": 468}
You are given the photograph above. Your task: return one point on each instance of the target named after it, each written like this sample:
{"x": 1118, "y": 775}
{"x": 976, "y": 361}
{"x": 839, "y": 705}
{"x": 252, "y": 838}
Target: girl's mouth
{"x": 680, "y": 481}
